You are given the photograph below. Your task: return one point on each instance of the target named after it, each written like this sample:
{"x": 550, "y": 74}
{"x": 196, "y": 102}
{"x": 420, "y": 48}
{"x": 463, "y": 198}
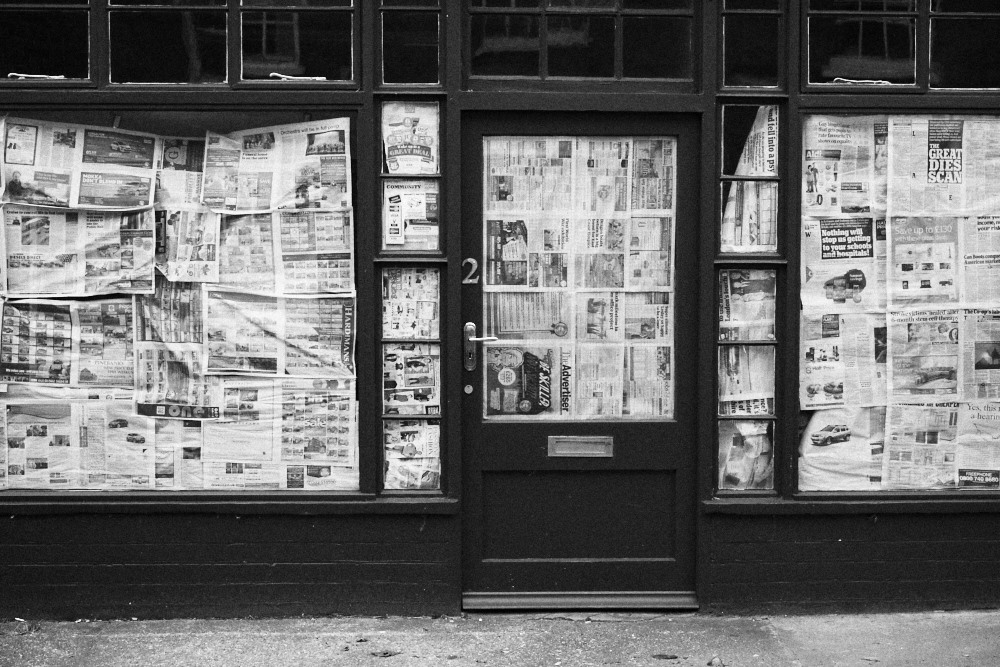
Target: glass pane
{"x": 410, "y": 3}
{"x": 753, "y": 4}
{"x": 750, "y": 60}
{"x": 167, "y": 3}
{"x": 579, "y": 299}
{"x": 45, "y": 2}
{"x": 410, "y": 215}
{"x": 880, "y": 6}
{"x": 589, "y": 4}
{"x": 505, "y": 4}
{"x": 195, "y": 40}
{"x": 45, "y": 43}
{"x": 965, "y": 6}
{"x": 411, "y": 379}
{"x": 749, "y": 140}
{"x": 855, "y": 49}
{"x": 656, "y": 4}
{"x": 313, "y": 44}
{"x": 297, "y": 3}
{"x": 960, "y": 53}
{"x": 746, "y": 455}
{"x": 411, "y": 300}
{"x": 670, "y": 58}
{"x": 746, "y": 380}
{"x": 581, "y": 46}
{"x": 746, "y": 299}
{"x": 412, "y": 454}
{"x": 505, "y": 45}
{"x": 749, "y": 217}
{"x": 410, "y": 47}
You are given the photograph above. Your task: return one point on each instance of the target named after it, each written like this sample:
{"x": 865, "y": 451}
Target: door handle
{"x": 470, "y": 350}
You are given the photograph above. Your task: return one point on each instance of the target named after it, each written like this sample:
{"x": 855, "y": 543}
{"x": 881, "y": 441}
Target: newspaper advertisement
{"x": 979, "y": 338}
{"x": 411, "y": 137}
{"x": 179, "y": 176}
{"x": 256, "y": 334}
{"x": 527, "y": 381}
{"x": 924, "y": 267}
{"x": 412, "y": 454}
{"x": 602, "y": 178}
{"x": 74, "y": 343}
{"x": 839, "y": 265}
{"x": 410, "y": 215}
{"x": 845, "y": 165}
{"x": 527, "y": 315}
{"x": 746, "y": 379}
{"x": 653, "y": 174}
{"x": 923, "y": 356}
{"x": 746, "y": 300}
{"x": 649, "y": 382}
{"x": 77, "y": 253}
{"x": 411, "y": 299}
{"x": 920, "y": 447}
{"x": 842, "y": 360}
{"x": 411, "y": 379}
{"x": 316, "y": 251}
{"x": 300, "y": 165}
{"x": 978, "y": 448}
{"x": 620, "y": 316}
{"x": 78, "y": 166}
{"x": 842, "y": 450}
{"x": 246, "y": 252}
{"x": 750, "y": 208}
{"x": 746, "y": 455}
{"x": 187, "y": 244}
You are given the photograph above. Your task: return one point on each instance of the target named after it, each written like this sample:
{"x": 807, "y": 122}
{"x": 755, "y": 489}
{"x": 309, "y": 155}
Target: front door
{"x": 580, "y": 233}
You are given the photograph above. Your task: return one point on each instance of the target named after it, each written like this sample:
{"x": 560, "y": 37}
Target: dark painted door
{"x": 580, "y": 232}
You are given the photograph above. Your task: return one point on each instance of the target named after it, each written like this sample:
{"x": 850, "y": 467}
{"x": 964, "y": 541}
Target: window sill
{"x": 848, "y": 503}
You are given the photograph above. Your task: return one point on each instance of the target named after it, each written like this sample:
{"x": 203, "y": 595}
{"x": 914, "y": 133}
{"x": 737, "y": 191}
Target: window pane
{"x": 964, "y": 6}
{"x": 581, "y": 46}
{"x": 313, "y": 44}
{"x": 167, "y": 3}
{"x": 746, "y": 380}
{"x": 44, "y": 42}
{"x": 590, "y": 4}
{"x": 746, "y": 455}
{"x": 505, "y": 4}
{"x": 505, "y": 45}
{"x": 749, "y": 140}
{"x": 412, "y": 454}
{"x": 656, "y": 47}
{"x": 865, "y": 5}
{"x": 959, "y": 54}
{"x": 656, "y": 4}
{"x": 750, "y": 60}
{"x": 861, "y": 49}
{"x": 753, "y": 4}
{"x": 297, "y": 3}
{"x": 194, "y": 41}
{"x": 45, "y": 2}
{"x": 410, "y": 47}
{"x": 746, "y": 299}
{"x": 749, "y": 217}
{"x": 410, "y": 3}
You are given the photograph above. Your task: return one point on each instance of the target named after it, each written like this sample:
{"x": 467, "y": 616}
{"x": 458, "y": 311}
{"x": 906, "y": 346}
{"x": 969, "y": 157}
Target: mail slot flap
{"x": 582, "y": 445}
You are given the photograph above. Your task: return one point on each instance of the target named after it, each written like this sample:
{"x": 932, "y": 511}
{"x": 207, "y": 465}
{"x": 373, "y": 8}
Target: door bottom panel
{"x": 487, "y": 601}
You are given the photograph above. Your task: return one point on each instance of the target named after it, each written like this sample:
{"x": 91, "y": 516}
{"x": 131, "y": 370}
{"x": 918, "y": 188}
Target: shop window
{"x": 51, "y": 40}
{"x": 899, "y": 328}
{"x": 568, "y": 39}
{"x": 752, "y": 40}
{"x": 926, "y": 44}
{"x": 411, "y": 40}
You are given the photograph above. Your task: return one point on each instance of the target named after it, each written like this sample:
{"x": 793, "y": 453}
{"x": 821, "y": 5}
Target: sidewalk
{"x": 938, "y": 639}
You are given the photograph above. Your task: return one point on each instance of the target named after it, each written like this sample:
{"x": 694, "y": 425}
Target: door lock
{"x": 470, "y": 349}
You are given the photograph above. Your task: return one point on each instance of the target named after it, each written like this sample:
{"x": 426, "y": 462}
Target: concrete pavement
{"x": 935, "y": 639}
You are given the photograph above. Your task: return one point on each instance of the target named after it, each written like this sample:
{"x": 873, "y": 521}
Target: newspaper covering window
{"x": 411, "y": 379}
{"x": 746, "y": 300}
{"x": 746, "y": 455}
{"x": 410, "y": 215}
{"x": 211, "y": 351}
{"x": 412, "y": 454}
{"x": 746, "y": 380}
{"x": 411, "y": 138}
{"x": 78, "y": 166}
{"x": 750, "y": 209}
{"x": 578, "y": 246}
{"x": 940, "y": 262}
{"x": 411, "y": 299}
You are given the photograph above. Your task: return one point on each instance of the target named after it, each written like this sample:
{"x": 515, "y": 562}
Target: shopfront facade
{"x": 416, "y": 307}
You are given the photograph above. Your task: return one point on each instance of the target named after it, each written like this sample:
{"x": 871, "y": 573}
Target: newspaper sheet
{"x": 750, "y": 208}
{"x": 978, "y": 448}
{"x": 842, "y": 450}
{"x": 187, "y": 243}
{"x": 528, "y": 174}
{"x": 746, "y": 376}
{"x": 410, "y": 215}
{"x": 845, "y": 165}
{"x": 979, "y": 270}
{"x": 842, "y": 360}
{"x": 78, "y": 253}
{"x": 746, "y": 300}
{"x": 412, "y": 454}
{"x": 411, "y": 301}
{"x": 979, "y": 337}
{"x": 301, "y": 165}
{"x": 920, "y": 447}
{"x": 411, "y": 379}
{"x": 527, "y": 381}
{"x": 411, "y": 137}
{"x": 925, "y": 261}
{"x": 246, "y": 252}
{"x": 839, "y": 271}
{"x": 746, "y": 455}
{"x": 316, "y": 249}
{"x": 653, "y": 174}
{"x": 265, "y": 335}
{"x": 179, "y": 176}
{"x": 76, "y": 343}
{"x": 924, "y": 356}
{"x": 77, "y": 166}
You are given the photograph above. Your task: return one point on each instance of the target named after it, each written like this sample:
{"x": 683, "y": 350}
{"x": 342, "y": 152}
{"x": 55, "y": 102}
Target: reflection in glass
{"x": 313, "y": 44}
{"x": 504, "y": 45}
{"x": 670, "y": 58}
{"x": 581, "y": 46}
{"x": 750, "y": 60}
{"x": 959, "y": 55}
{"x": 746, "y": 455}
{"x": 410, "y": 47}
{"x": 746, "y": 380}
{"x": 861, "y": 49}
{"x": 47, "y": 43}
{"x": 168, "y": 47}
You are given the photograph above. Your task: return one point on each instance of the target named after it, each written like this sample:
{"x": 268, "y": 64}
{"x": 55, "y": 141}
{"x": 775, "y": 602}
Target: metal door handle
{"x": 470, "y": 350}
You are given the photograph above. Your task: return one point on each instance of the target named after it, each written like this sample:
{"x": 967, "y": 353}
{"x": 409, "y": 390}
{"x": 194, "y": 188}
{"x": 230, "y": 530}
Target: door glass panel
{"x": 578, "y": 279}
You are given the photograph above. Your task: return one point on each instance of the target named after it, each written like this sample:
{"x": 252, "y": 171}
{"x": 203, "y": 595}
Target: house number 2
{"x": 473, "y": 266}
